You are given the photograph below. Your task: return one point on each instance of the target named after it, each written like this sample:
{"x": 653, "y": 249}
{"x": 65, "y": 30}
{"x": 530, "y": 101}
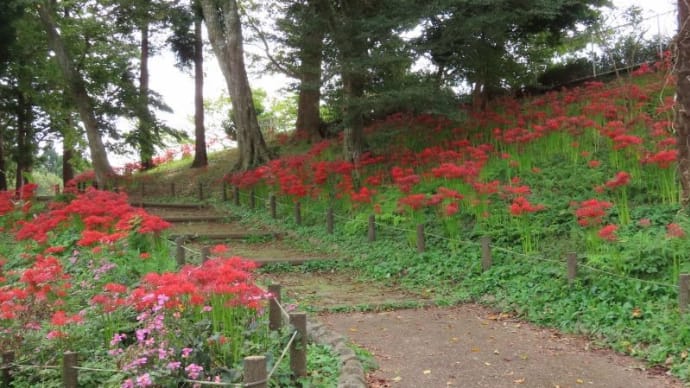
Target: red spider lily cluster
{"x": 592, "y": 212}
{"x": 107, "y": 217}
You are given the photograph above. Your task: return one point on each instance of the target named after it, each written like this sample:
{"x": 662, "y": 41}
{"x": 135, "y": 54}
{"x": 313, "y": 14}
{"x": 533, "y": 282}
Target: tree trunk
{"x": 353, "y": 142}
{"x": 311, "y": 55}
{"x": 3, "y": 166}
{"x": 200, "y": 156}
{"x": 24, "y": 152}
{"x": 77, "y": 89}
{"x": 225, "y": 32}
{"x": 146, "y": 148}
{"x": 67, "y": 152}
{"x": 682, "y": 118}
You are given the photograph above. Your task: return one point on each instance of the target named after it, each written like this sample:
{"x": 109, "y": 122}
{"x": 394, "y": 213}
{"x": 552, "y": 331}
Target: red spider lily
{"x": 608, "y": 232}
{"x": 591, "y": 212}
{"x": 663, "y": 159}
{"x": 413, "y": 201}
{"x": 625, "y": 141}
{"x": 622, "y": 178}
{"x": 363, "y": 196}
{"x": 451, "y": 208}
{"x": 404, "y": 178}
{"x": 644, "y": 223}
{"x": 60, "y": 318}
{"x": 219, "y": 249}
{"x": 674, "y": 230}
{"x": 522, "y": 206}
{"x": 594, "y": 163}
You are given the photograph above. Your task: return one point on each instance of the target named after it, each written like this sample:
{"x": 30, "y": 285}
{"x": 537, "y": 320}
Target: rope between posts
{"x": 282, "y": 355}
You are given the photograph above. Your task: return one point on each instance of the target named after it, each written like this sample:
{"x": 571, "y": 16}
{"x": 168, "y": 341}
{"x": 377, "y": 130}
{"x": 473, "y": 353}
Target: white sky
{"x": 177, "y": 88}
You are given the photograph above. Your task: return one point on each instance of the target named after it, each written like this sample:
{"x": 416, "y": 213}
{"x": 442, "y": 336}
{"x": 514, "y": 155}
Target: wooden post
{"x": 201, "y": 191}
{"x": 298, "y": 350}
{"x": 179, "y": 251}
{"x": 205, "y": 254}
{"x": 372, "y": 228}
{"x": 143, "y": 190}
{"x": 252, "y": 199}
{"x": 70, "y": 375}
{"x": 56, "y": 189}
{"x": 275, "y": 316}
{"x": 421, "y": 244}
{"x": 272, "y": 205}
{"x": 683, "y": 292}
{"x": 255, "y": 375}
{"x": 572, "y": 267}
{"x": 7, "y": 361}
{"x": 172, "y": 189}
{"x": 225, "y": 191}
{"x": 236, "y": 195}
{"x": 486, "y": 253}
{"x": 298, "y": 213}
{"x": 329, "y": 220}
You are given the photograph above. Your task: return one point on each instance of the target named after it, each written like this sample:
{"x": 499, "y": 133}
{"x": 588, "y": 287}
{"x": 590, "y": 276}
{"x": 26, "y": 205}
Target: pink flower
{"x": 193, "y": 371}
{"x": 144, "y": 380}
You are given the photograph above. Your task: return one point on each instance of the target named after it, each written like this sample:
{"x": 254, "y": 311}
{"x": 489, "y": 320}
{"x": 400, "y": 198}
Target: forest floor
{"x": 428, "y": 346}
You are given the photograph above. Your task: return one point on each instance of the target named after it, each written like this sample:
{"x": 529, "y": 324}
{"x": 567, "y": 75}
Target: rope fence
{"x": 571, "y": 262}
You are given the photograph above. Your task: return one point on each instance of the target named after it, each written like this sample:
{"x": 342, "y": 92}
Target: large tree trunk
{"x": 3, "y": 166}
{"x": 23, "y": 136}
{"x": 82, "y": 100}
{"x": 146, "y": 148}
{"x": 683, "y": 99}
{"x": 311, "y": 55}
{"x": 353, "y": 142}
{"x": 225, "y": 32}
{"x": 200, "y": 156}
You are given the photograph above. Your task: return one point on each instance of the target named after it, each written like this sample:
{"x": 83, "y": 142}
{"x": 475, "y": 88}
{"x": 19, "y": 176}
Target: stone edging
{"x": 351, "y": 370}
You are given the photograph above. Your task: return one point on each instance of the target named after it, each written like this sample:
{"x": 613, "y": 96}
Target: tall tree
{"x": 682, "y": 117}
{"x": 225, "y": 33}
{"x": 79, "y": 94}
{"x": 188, "y": 45}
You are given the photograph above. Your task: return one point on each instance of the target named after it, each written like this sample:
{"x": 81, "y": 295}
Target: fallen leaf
{"x": 475, "y": 350}
{"x": 496, "y": 351}
{"x": 684, "y": 354}
{"x": 427, "y": 372}
{"x": 519, "y": 381}
{"x": 636, "y": 312}
{"x": 455, "y": 339}
{"x": 397, "y": 379}
{"x": 523, "y": 357}
{"x": 353, "y": 329}
{"x": 487, "y": 363}
{"x": 580, "y": 381}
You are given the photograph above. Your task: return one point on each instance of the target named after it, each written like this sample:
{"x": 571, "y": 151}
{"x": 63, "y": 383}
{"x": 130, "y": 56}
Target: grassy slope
{"x": 624, "y": 298}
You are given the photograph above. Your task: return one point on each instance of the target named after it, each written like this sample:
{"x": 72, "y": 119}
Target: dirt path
{"x": 468, "y": 346}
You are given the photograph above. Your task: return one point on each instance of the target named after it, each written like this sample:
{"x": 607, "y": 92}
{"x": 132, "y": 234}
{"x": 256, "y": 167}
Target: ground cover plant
{"x": 589, "y": 170}
{"x": 90, "y": 273}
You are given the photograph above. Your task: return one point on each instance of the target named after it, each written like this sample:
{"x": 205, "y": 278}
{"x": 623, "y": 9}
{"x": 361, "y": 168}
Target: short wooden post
{"x": 329, "y": 220}
{"x": 275, "y": 316}
{"x": 683, "y": 292}
{"x": 255, "y": 375}
{"x": 298, "y": 350}
{"x": 372, "y": 228}
{"x": 225, "y": 191}
{"x": 201, "y": 191}
{"x": 70, "y": 375}
{"x": 172, "y": 189}
{"x": 486, "y": 253}
{"x": 143, "y": 190}
{"x": 572, "y": 267}
{"x": 298, "y": 213}
{"x": 205, "y": 254}
{"x": 56, "y": 189}
{"x": 421, "y": 244}
{"x": 272, "y": 205}
{"x": 179, "y": 251}
{"x": 252, "y": 199}
{"x": 7, "y": 361}
{"x": 236, "y": 195}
